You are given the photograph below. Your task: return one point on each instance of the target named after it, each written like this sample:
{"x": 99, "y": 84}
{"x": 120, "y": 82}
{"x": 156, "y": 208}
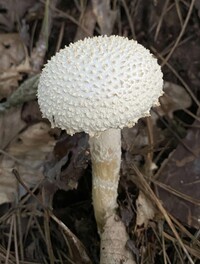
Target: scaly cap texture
{"x": 99, "y": 83}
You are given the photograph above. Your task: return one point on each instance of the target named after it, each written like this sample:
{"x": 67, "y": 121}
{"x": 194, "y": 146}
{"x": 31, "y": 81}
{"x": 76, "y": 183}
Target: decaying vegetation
{"x": 46, "y": 214}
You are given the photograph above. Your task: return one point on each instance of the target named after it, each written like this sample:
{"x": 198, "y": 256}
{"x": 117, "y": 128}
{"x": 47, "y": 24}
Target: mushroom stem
{"x": 106, "y": 158}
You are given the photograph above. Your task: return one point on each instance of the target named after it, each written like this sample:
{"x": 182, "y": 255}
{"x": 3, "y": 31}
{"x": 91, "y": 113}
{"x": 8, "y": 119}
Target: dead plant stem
{"x": 180, "y": 34}
{"x": 154, "y": 199}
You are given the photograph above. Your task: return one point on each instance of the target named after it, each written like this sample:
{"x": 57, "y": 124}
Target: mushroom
{"x": 100, "y": 85}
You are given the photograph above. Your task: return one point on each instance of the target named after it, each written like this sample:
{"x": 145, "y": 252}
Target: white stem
{"x": 113, "y": 243}
{"x": 106, "y": 159}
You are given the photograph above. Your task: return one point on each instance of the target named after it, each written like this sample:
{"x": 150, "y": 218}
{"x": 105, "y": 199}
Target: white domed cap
{"x": 99, "y": 83}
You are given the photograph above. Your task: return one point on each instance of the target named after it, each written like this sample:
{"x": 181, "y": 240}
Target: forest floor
{"x": 46, "y": 213}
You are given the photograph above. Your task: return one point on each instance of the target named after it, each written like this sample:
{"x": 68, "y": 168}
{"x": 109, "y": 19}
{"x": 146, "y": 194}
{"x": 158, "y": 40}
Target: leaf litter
{"x": 45, "y": 175}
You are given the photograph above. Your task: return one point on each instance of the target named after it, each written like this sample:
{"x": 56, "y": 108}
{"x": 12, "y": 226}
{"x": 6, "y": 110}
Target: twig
{"x": 178, "y": 77}
{"x": 126, "y": 8}
{"x": 155, "y": 200}
{"x": 65, "y": 15}
{"x": 177, "y": 193}
{"x": 177, "y": 136}
{"x": 9, "y": 240}
{"x": 15, "y": 240}
{"x": 60, "y": 37}
{"x": 181, "y": 33}
{"x": 161, "y": 19}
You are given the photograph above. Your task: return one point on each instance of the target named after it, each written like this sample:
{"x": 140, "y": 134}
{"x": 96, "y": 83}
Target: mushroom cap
{"x": 99, "y": 83}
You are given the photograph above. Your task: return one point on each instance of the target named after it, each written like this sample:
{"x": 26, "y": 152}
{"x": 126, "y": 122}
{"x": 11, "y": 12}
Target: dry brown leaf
{"x": 10, "y": 125}
{"x": 14, "y": 11}
{"x": 135, "y": 138}
{"x": 145, "y": 210}
{"x": 13, "y": 62}
{"x": 27, "y": 154}
{"x": 11, "y": 49}
{"x": 179, "y": 180}
{"x": 105, "y": 16}
{"x": 88, "y": 20}
{"x": 175, "y": 98}
{"x": 8, "y": 185}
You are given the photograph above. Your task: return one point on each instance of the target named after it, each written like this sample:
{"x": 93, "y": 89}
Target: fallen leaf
{"x": 14, "y": 11}
{"x": 13, "y": 62}
{"x": 105, "y": 16}
{"x": 26, "y": 154}
{"x": 179, "y": 180}
{"x": 69, "y": 162}
{"x": 135, "y": 138}
{"x": 145, "y": 210}
{"x": 175, "y": 98}
{"x": 11, "y": 124}
{"x": 88, "y": 21}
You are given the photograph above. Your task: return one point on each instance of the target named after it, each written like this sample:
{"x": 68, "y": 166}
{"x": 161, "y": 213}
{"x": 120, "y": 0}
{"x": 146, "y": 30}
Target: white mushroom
{"x": 99, "y": 85}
